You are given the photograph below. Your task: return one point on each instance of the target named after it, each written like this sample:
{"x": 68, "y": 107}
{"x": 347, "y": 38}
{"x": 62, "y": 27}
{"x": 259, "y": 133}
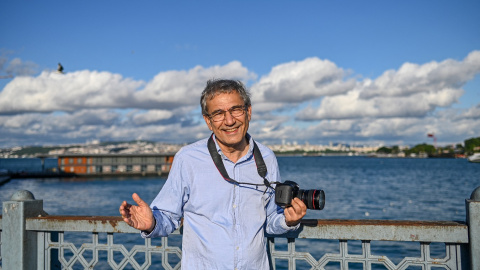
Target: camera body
{"x": 285, "y": 192}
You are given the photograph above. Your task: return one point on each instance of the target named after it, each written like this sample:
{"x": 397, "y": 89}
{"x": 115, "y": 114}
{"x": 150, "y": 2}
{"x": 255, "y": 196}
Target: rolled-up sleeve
{"x": 167, "y": 207}
{"x": 276, "y": 223}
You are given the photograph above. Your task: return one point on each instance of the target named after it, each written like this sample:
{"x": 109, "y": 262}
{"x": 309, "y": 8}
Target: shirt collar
{"x": 249, "y": 154}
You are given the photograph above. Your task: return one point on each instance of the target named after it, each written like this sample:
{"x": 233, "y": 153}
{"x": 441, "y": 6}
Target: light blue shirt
{"x": 224, "y": 223}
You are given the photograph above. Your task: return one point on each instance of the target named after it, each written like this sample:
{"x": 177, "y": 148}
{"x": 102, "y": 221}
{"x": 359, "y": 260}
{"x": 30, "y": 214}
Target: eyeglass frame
{"x": 223, "y": 112}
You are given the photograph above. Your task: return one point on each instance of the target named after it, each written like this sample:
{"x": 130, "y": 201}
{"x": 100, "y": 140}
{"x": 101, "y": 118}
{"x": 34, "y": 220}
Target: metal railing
{"x": 31, "y": 239}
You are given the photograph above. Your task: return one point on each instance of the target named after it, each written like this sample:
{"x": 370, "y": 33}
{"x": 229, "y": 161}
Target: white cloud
{"x": 472, "y": 113}
{"x": 432, "y": 77}
{"x": 16, "y": 67}
{"x": 152, "y": 116}
{"x": 300, "y": 81}
{"x": 168, "y": 90}
{"x": 52, "y": 91}
{"x": 85, "y": 125}
{"x": 412, "y": 91}
{"x": 446, "y": 126}
{"x": 57, "y": 123}
{"x": 19, "y": 68}
{"x": 296, "y": 82}
{"x": 311, "y": 100}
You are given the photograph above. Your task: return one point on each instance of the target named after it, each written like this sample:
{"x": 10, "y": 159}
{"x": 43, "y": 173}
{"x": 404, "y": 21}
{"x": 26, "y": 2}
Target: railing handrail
{"x": 381, "y": 230}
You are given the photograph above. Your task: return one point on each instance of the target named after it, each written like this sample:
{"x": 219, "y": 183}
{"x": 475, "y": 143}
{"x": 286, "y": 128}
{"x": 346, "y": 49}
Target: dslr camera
{"x": 312, "y": 198}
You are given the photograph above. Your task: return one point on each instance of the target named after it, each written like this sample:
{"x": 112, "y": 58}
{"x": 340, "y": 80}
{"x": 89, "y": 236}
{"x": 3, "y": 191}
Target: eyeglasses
{"x": 235, "y": 111}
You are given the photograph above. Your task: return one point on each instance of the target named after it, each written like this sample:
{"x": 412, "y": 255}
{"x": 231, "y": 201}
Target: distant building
{"x": 114, "y": 164}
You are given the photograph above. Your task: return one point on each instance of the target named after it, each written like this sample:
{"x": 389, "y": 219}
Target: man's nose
{"x": 229, "y": 119}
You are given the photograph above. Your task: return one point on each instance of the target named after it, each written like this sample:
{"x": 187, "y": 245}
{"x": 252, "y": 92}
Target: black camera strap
{"x": 257, "y": 155}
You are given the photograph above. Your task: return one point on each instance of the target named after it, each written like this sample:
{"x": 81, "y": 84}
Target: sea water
{"x": 355, "y": 188}
{"x": 19, "y": 165}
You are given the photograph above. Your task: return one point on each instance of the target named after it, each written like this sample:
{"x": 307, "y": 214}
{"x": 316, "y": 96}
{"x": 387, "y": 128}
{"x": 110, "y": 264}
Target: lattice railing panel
{"x": 71, "y": 256}
{"x": 366, "y": 260}
{"x": 373, "y": 245}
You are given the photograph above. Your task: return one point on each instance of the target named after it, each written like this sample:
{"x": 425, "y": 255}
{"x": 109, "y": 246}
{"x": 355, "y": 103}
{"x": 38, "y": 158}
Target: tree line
{"x": 469, "y": 147}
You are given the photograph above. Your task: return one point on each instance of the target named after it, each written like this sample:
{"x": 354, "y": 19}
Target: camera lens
{"x": 312, "y": 198}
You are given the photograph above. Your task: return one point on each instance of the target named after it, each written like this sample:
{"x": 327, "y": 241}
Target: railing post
{"x": 19, "y": 247}
{"x": 473, "y": 221}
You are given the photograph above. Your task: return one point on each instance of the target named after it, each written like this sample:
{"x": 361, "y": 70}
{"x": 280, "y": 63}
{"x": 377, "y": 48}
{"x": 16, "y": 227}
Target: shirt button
{"x": 234, "y": 206}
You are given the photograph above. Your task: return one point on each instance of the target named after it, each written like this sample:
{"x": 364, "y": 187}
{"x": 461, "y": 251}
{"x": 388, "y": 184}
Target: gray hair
{"x": 221, "y": 86}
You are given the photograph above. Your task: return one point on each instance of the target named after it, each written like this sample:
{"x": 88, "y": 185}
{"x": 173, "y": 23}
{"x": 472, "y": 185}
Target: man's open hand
{"x": 139, "y": 217}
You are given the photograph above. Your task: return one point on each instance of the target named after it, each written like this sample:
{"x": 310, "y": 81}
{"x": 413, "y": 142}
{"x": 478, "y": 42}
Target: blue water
{"x": 386, "y": 188}
{"x": 16, "y": 165}
{"x": 355, "y": 188}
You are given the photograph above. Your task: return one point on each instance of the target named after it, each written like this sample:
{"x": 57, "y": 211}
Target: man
{"x": 225, "y": 216}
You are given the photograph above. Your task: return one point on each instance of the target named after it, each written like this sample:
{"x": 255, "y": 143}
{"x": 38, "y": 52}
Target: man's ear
{"x": 207, "y": 120}
{"x": 249, "y": 113}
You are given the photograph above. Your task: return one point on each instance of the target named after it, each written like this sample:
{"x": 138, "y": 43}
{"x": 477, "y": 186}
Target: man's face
{"x": 231, "y": 131}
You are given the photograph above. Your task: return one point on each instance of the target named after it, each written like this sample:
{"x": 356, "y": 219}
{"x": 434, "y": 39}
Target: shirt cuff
{"x": 289, "y": 228}
{"x": 146, "y": 234}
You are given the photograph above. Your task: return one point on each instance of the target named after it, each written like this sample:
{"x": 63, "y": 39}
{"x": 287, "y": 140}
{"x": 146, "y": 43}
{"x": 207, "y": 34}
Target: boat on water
{"x": 474, "y": 158}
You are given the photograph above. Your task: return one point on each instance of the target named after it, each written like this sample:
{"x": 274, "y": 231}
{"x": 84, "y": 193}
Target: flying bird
{"x": 60, "y": 68}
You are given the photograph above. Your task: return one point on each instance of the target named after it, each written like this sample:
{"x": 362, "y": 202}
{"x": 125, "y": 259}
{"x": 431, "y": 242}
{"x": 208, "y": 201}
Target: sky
{"x": 319, "y": 72}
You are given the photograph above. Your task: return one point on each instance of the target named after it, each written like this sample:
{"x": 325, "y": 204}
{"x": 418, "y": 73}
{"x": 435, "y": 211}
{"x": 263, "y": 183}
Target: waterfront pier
{"x": 33, "y": 239}
{"x": 115, "y": 164}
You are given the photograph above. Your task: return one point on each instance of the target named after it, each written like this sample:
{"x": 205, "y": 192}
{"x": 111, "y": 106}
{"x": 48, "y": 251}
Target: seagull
{"x": 60, "y": 68}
